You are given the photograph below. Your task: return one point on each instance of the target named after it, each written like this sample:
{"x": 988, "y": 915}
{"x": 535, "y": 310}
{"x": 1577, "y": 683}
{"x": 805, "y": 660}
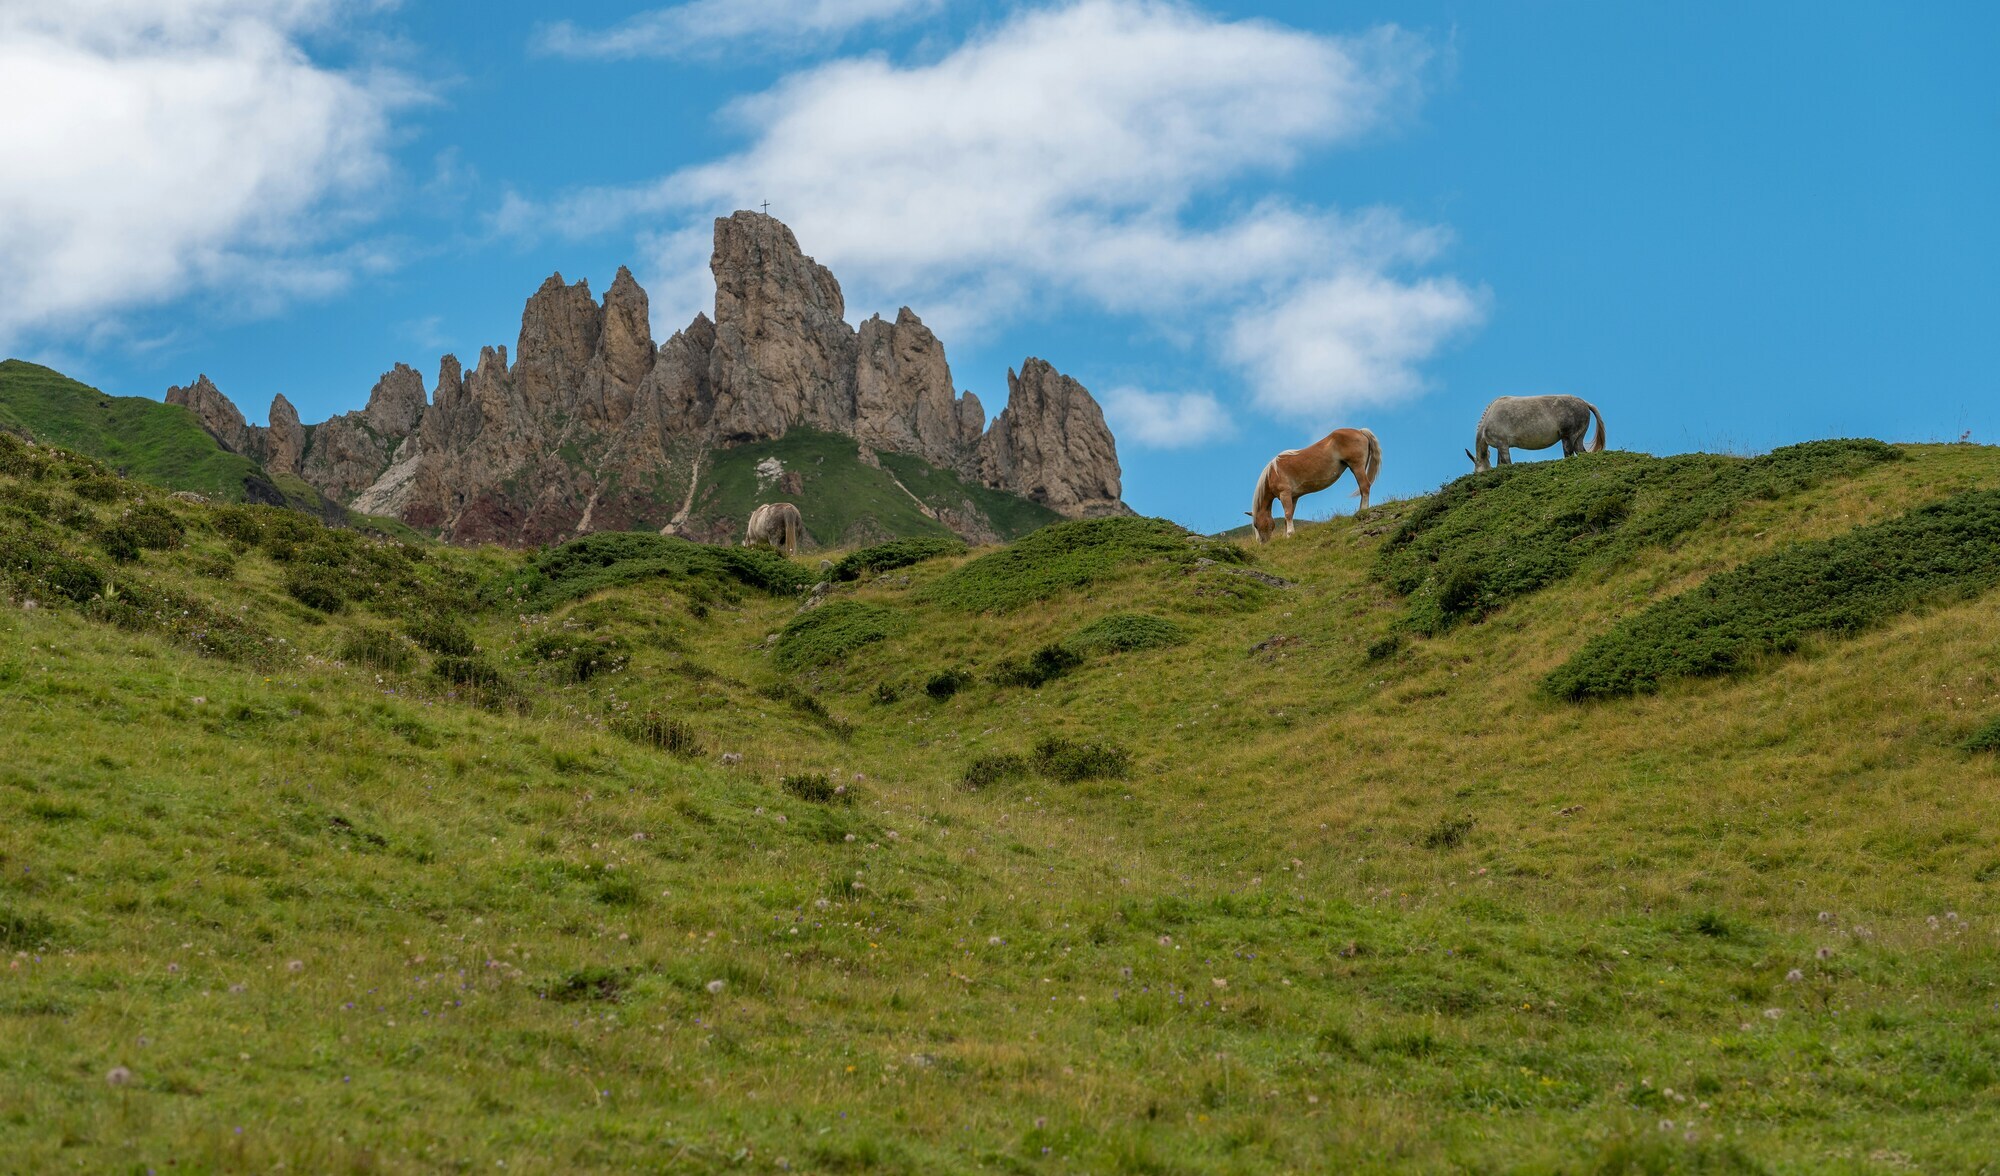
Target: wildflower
{"x": 173, "y": 967}
{"x": 715, "y": 987}
{"x": 1165, "y": 940}
{"x": 235, "y": 988}
{"x": 119, "y": 1076}
{"x": 1794, "y": 976}
{"x": 1219, "y": 982}
{"x": 1826, "y": 916}
{"x": 1773, "y": 1014}
{"x": 295, "y": 966}
{"x": 1825, "y": 953}
{"x": 849, "y": 837}
{"x": 993, "y": 941}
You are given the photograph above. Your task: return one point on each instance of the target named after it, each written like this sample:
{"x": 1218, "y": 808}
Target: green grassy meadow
{"x": 337, "y": 854}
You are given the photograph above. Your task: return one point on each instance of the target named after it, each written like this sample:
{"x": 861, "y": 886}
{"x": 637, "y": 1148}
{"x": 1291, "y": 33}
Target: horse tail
{"x": 1596, "y": 446}
{"x": 1371, "y": 462}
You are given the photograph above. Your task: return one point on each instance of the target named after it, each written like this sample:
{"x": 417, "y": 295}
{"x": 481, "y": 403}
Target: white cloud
{"x": 1348, "y": 340}
{"x": 1166, "y": 420}
{"x": 158, "y": 147}
{"x": 706, "y": 26}
{"x": 1087, "y": 154}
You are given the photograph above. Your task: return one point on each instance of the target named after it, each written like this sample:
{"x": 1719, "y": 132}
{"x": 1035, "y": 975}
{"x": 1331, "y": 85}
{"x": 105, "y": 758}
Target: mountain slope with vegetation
{"x": 1118, "y": 849}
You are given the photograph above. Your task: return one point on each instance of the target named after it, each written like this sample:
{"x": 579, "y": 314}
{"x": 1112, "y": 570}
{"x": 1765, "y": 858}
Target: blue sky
{"x": 1240, "y": 224}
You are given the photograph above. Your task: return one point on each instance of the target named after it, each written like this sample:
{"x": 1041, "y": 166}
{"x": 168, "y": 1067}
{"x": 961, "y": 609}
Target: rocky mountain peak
{"x": 594, "y": 426}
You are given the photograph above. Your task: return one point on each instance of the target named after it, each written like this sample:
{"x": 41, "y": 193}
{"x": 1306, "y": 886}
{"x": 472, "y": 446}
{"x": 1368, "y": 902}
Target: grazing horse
{"x": 1297, "y": 472}
{"x": 1534, "y": 422}
{"x": 776, "y": 524}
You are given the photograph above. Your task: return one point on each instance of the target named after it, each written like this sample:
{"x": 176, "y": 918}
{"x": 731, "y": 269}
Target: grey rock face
{"x": 215, "y": 411}
{"x": 592, "y": 426}
{"x": 1051, "y": 444}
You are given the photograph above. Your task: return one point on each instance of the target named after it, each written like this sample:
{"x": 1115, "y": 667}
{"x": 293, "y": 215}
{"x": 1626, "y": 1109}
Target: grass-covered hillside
{"x": 144, "y": 439}
{"x": 845, "y": 501}
{"x": 1117, "y": 849}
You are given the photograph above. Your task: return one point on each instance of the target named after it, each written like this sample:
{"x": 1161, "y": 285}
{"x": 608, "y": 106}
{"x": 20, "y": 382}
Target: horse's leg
{"x": 1290, "y": 500}
{"x": 1362, "y": 480}
{"x": 1506, "y": 458}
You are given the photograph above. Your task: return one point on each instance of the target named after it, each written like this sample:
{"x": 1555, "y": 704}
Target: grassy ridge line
{"x": 569, "y": 571}
{"x": 1490, "y": 538}
{"x": 1838, "y": 587}
{"x": 161, "y": 444}
{"x": 1066, "y": 556}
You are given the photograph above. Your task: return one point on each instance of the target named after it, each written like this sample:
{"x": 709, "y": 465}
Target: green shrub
{"x": 317, "y": 587}
{"x": 661, "y": 733}
{"x": 240, "y": 523}
{"x": 1061, "y": 557}
{"x": 1386, "y": 648}
{"x": 1490, "y": 538}
{"x": 899, "y": 553}
{"x": 1069, "y": 761}
{"x": 945, "y": 683}
{"x": 815, "y": 788}
{"x": 832, "y": 631}
{"x": 887, "y": 693}
{"x": 607, "y": 559}
{"x": 806, "y": 705}
{"x": 1039, "y": 668}
{"x": 1840, "y": 586}
{"x": 468, "y": 672}
{"x": 1987, "y": 738}
{"x": 1449, "y": 833}
{"x": 578, "y": 657}
{"x": 99, "y": 488}
{"x": 377, "y": 649}
{"x": 157, "y": 528}
{"x": 1124, "y": 632}
{"x": 441, "y": 635}
{"x": 120, "y": 542}
{"x": 988, "y": 770}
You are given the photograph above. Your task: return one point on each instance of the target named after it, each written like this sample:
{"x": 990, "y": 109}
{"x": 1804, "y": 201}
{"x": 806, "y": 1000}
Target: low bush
{"x": 835, "y": 629}
{"x": 157, "y": 528}
{"x": 317, "y": 587}
{"x": 1840, "y": 586}
{"x": 989, "y": 770}
{"x": 945, "y": 683}
{"x": 468, "y": 673}
{"x": 120, "y": 542}
{"x": 1125, "y": 632}
{"x": 377, "y": 649}
{"x": 441, "y": 635}
{"x": 661, "y": 733}
{"x": 815, "y": 788}
{"x": 1037, "y": 669}
{"x": 607, "y": 559}
{"x": 1490, "y": 538}
{"x": 806, "y": 705}
{"x": 577, "y": 657}
{"x": 899, "y": 553}
{"x": 1987, "y": 738}
{"x": 1068, "y": 761}
{"x": 1449, "y": 833}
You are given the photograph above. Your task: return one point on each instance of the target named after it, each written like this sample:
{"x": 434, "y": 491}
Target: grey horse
{"x": 776, "y": 524}
{"x": 1534, "y": 422}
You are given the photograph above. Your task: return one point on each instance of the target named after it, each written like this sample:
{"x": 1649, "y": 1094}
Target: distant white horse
{"x": 776, "y": 524}
{"x": 1534, "y": 422}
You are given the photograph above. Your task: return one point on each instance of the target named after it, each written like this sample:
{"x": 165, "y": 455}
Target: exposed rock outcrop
{"x": 215, "y": 412}
{"x": 594, "y": 427}
{"x": 1051, "y": 445}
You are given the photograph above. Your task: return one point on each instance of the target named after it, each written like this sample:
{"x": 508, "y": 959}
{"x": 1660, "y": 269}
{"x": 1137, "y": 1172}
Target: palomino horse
{"x": 776, "y": 524}
{"x": 1534, "y": 422}
{"x": 1297, "y": 472}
